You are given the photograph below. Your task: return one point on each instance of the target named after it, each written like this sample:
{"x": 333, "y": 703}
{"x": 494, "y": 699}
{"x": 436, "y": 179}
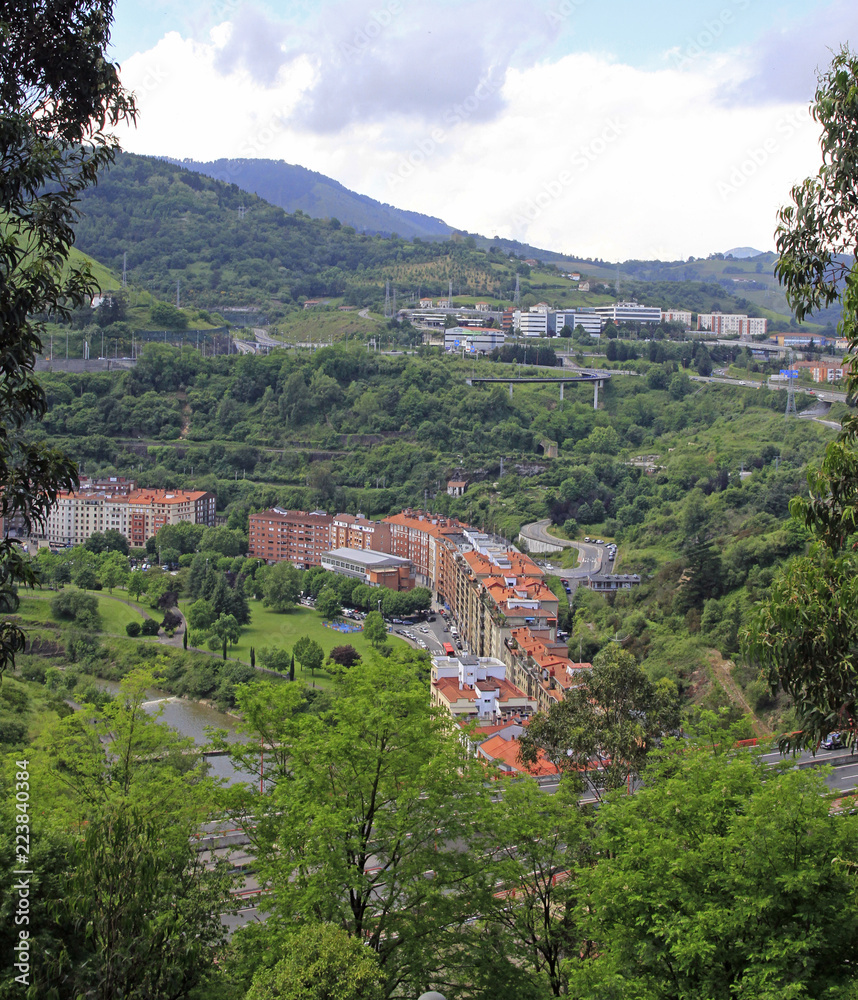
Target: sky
{"x": 611, "y": 129}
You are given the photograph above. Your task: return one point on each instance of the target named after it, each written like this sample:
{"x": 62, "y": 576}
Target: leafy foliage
{"x": 57, "y": 94}
{"x": 720, "y": 879}
{"x": 603, "y": 731}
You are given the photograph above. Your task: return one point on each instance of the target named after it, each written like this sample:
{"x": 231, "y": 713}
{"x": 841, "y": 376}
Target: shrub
{"x": 150, "y": 627}
{"x": 72, "y": 604}
{"x": 133, "y": 629}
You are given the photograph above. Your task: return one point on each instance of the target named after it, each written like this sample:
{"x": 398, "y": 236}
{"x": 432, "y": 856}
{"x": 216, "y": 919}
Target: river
{"x": 190, "y": 718}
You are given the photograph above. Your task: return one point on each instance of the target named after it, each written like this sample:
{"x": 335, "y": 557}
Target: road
{"x": 826, "y": 395}
{"x": 592, "y": 558}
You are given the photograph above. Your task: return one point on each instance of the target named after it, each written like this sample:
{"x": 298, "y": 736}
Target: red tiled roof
{"x": 507, "y": 751}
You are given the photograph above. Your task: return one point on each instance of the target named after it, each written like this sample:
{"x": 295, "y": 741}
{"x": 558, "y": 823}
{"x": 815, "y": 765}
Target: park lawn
{"x": 282, "y": 629}
{"x": 115, "y": 615}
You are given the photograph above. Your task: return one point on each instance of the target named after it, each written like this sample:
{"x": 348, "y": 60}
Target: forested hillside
{"x": 344, "y": 429}
{"x": 223, "y": 247}
{"x": 295, "y": 188}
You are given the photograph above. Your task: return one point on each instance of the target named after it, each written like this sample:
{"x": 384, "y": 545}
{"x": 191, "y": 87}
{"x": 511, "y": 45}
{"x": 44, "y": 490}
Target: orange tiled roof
{"x": 165, "y": 496}
{"x": 500, "y": 749}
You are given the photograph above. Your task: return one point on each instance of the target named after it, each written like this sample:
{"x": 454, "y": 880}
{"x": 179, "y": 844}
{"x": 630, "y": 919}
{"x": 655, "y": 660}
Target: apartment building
{"x": 354, "y": 531}
{"x": 823, "y": 371}
{"x": 278, "y": 535}
{"x": 682, "y": 316}
{"x": 732, "y": 324}
{"x": 137, "y": 514}
{"x": 150, "y": 510}
{"x": 428, "y": 541}
{"x": 540, "y": 665}
{"x": 476, "y": 687}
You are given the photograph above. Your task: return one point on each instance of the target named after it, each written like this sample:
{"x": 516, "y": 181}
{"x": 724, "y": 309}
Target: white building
{"x": 473, "y": 340}
{"x": 682, "y": 316}
{"x": 629, "y": 312}
{"x": 589, "y": 319}
{"x": 531, "y": 324}
{"x": 476, "y": 687}
{"x": 736, "y": 324}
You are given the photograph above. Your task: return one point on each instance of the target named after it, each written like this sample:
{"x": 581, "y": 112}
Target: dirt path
{"x": 722, "y": 670}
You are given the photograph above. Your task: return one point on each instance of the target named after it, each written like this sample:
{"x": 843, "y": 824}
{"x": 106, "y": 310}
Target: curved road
{"x": 591, "y": 557}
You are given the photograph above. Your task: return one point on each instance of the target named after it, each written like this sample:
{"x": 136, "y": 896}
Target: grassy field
{"x": 281, "y": 631}
{"x": 115, "y": 614}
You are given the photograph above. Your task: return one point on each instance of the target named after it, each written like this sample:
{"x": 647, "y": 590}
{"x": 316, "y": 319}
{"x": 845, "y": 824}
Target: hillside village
{"x": 431, "y": 616}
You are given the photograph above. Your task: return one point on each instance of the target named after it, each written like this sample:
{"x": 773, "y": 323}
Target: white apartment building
{"x": 682, "y": 316}
{"x": 629, "y": 312}
{"x": 735, "y": 324}
{"x": 138, "y": 515}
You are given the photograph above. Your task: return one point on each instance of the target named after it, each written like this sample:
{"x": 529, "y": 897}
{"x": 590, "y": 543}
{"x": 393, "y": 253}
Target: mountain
{"x": 740, "y": 253}
{"x": 298, "y": 189}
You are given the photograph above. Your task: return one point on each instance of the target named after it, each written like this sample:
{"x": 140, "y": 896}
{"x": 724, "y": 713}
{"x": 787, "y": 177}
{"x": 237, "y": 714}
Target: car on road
{"x": 833, "y": 741}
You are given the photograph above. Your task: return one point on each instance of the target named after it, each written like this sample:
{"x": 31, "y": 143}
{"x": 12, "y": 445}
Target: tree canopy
{"x": 804, "y": 632}
{"x": 58, "y": 94}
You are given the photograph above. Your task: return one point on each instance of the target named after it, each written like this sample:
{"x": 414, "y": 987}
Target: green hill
{"x": 224, "y": 249}
{"x": 297, "y": 189}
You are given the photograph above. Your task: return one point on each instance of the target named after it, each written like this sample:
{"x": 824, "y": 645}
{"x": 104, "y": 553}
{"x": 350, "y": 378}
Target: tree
{"x": 361, "y": 804}
{"x": 328, "y": 604}
{"x": 602, "y": 732}
{"x": 309, "y": 652}
{"x": 171, "y": 620}
{"x": 804, "y": 633}
{"x": 107, "y": 541}
{"x": 145, "y": 907}
{"x": 275, "y": 658}
{"x": 114, "y": 570}
{"x": 201, "y": 614}
{"x": 227, "y": 629}
{"x": 817, "y": 235}
{"x": 346, "y": 656}
{"x": 76, "y": 605}
{"x": 374, "y": 629}
{"x": 137, "y": 914}
{"x": 165, "y": 315}
{"x": 536, "y": 843}
{"x": 282, "y": 587}
{"x": 58, "y": 92}
{"x": 137, "y": 583}
{"x": 321, "y": 962}
{"x": 721, "y": 879}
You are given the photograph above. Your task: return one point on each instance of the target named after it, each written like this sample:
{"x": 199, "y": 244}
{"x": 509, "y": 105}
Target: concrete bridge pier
{"x": 510, "y": 390}
{"x": 596, "y": 395}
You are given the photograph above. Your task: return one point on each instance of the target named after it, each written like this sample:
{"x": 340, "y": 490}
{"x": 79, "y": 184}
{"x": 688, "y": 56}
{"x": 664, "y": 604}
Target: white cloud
{"x": 579, "y": 154}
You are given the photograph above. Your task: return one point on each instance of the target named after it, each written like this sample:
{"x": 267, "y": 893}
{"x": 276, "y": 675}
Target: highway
{"x": 825, "y": 394}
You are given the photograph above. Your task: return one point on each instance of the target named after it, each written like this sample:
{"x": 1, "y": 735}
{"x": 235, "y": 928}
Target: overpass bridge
{"x": 597, "y": 378}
